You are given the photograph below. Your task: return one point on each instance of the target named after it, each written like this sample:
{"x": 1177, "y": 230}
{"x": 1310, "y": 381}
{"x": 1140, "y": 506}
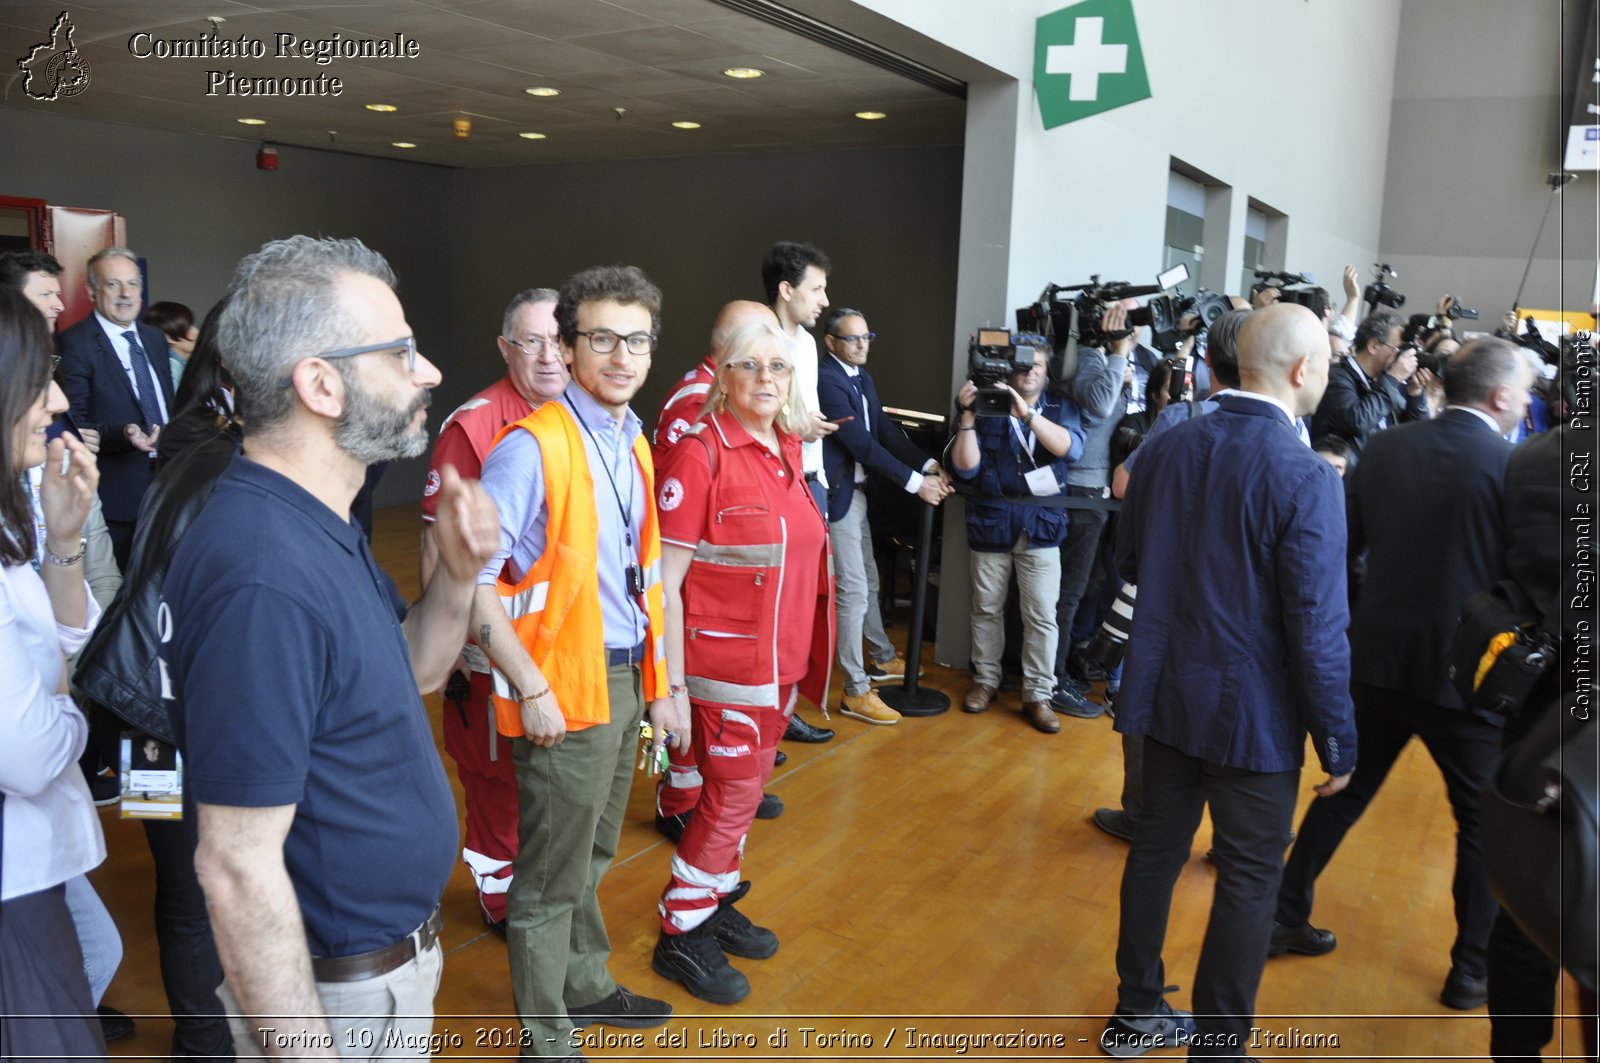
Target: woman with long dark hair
{"x": 203, "y": 405}
{"x": 49, "y": 833}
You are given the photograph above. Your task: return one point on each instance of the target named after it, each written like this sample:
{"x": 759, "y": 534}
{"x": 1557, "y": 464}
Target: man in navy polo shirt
{"x": 327, "y": 827}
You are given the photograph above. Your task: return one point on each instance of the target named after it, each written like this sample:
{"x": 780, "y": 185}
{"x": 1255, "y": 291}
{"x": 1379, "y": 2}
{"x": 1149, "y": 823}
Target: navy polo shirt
{"x": 292, "y": 685}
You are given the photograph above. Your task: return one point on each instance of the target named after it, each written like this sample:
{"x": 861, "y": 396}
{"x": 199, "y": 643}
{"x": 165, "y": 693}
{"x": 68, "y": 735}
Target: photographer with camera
{"x": 1378, "y": 387}
{"x": 1097, "y": 390}
{"x": 1008, "y": 460}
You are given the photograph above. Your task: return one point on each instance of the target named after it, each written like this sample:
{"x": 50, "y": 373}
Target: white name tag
{"x": 1042, "y": 482}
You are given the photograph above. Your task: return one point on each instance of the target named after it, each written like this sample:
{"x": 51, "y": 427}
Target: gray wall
{"x": 463, "y": 241}
{"x": 195, "y": 205}
{"x": 1482, "y": 99}
{"x": 698, "y": 228}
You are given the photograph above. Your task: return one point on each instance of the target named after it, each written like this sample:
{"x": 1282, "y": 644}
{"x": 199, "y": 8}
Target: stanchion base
{"x": 919, "y": 702}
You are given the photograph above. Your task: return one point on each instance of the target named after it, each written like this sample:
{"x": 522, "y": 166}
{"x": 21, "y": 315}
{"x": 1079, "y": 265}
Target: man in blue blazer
{"x": 1424, "y": 505}
{"x": 866, "y": 442}
{"x": 114, "y": 372}
{"x": 1232, "y": 531}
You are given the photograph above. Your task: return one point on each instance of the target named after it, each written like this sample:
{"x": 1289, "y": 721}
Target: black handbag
{"x": 1503, "y": 646}
{"x": 1541, "y": 819}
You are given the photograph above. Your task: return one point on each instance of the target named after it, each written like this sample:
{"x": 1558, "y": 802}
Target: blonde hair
{"x": 745, "y": 341}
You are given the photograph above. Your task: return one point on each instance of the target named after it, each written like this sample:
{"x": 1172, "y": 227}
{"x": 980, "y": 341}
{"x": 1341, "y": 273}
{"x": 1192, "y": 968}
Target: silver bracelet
{"x": 71, "y": 559}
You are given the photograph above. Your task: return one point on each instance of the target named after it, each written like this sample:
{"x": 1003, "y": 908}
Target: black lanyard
{"x": 631, "y": 569}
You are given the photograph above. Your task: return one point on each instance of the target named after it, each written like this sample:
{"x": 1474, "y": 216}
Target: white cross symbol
{"x": 1086, "y": 59}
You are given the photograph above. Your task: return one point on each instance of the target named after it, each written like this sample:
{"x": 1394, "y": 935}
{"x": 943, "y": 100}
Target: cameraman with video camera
{"x": 1377, "y": 387}
{"x": 1097, "y": 390}
{"x": 1009, "y": 459}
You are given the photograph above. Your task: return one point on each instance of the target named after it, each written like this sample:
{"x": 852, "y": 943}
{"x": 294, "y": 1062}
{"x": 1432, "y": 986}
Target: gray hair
{"x": 105, "y": 253}
{"x": 522, "y": 299}
{"x": 282, "y": 308}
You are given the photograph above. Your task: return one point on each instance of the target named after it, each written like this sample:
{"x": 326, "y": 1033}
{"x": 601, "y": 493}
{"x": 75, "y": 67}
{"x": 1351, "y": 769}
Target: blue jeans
{"x": 97, "y": 936}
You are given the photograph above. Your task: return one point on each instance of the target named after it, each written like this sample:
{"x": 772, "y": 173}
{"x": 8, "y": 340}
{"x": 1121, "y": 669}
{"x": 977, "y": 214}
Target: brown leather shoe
{"x": 1042, "y": 716}
{"x": 978, "y": 698}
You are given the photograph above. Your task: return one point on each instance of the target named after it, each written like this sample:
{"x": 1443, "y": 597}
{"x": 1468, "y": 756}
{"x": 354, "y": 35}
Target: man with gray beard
{"x": 327, "y": 827}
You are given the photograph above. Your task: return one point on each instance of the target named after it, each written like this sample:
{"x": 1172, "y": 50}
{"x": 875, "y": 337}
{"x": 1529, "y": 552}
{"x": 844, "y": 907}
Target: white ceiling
{"x": 659, "y": 60}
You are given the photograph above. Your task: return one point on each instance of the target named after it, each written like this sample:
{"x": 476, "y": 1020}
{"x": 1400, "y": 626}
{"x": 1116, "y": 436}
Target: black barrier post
{"x": 907, "y": 699}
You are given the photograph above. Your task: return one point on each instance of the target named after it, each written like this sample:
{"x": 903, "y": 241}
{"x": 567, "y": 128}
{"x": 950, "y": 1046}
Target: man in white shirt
{"x": 796, "y": 280}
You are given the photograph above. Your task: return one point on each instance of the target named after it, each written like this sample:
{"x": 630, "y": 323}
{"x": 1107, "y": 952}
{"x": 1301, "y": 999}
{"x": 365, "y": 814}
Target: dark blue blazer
{"x": 101, "y": 397}
{"x": 1425, "y": 506}
{"x": 1234, "y": 532}
{"x": 876, "y": 441}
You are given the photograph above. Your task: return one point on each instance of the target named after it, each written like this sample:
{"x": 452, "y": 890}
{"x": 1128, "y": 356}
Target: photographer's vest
{"x": 555, "y": 608}
{"x": 994, "y": 521}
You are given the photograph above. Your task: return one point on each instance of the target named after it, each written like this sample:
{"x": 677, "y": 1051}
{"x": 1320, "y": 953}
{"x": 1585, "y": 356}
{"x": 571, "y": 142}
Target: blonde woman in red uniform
{"x": 749, "y": 622}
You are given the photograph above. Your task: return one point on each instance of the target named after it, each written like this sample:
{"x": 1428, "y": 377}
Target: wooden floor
{"x": 940, "y": 878}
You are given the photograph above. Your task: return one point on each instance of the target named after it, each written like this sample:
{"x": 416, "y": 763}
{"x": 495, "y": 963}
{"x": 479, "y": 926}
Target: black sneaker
{"x": 1081, "y": 666}
{"x": 736, "y": 934}
{"x": 105, "y": 788}
{"x": 1134, "y": 1035}
{"x": 696, "y": 960}
{"x": 622, "y": 1008}
{"x": 114, "y": 1025}
{"x": 771, "y": 807}
{"x": 672, "y": 827}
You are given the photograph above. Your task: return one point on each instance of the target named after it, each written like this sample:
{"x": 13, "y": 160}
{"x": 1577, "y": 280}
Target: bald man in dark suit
{"x": 1237, "y": 651}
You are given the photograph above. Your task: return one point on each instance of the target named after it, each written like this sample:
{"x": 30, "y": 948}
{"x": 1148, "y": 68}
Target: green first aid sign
{"x": 1087, "y": 61}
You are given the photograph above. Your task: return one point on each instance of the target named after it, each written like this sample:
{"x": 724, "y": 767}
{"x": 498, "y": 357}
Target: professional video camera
{"x": 1292, "y": 288}
{"x": 1457, "y": 311}
{"x": 1378, "y": 293}
{"x": 991, "y": 358}
{"x": 1076, "y": 311}
{"x": 1534, "y": 340}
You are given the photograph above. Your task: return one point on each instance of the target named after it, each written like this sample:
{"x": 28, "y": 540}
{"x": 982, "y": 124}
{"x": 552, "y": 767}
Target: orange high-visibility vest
{"x": 555, "y": 608}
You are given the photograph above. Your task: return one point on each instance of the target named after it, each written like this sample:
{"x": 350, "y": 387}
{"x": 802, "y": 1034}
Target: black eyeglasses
{"x": 604, "y": 341}
{"x": 406, "y": 343}
{"x": 864, "y": 337}
{"x": 536, "y": 345}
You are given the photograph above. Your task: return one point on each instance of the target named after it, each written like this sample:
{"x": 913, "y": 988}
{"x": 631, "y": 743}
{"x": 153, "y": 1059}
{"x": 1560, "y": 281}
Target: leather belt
{"x": 366, "y": 965}
{"x": 631, "y": 655}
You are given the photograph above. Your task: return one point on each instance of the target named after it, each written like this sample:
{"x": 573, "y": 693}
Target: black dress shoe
{"x": 113, "y": 1023}
{"x": 1304, "y": 940}
{"x": 800, "y": 731}
{"x": 622, "y": 1008}
{"x": 779, "y": 759}
{"x": 1464, "y": 992}
{"x": 771, "y": 807}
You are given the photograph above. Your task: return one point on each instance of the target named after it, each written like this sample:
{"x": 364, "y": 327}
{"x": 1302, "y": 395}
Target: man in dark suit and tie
{"x": 1424, "y": 504}
{"x": 866, "y": 442}
{"x": 1238, "y": 649}
{"x": 114, "y": 373}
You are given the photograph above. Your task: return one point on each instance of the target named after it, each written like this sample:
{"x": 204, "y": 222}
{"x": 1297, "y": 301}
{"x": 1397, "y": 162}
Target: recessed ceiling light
{"x": 744, "y": 72}
{"x": 685, "y": 125}
{"x": 870, "y": 116}
{"x": 403, "y": 144}
{"x": 542, "y": 90}
{"x": 382, "y": 108}
{"x": 531, "y": 136}
{"x": 252, "y": 121}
